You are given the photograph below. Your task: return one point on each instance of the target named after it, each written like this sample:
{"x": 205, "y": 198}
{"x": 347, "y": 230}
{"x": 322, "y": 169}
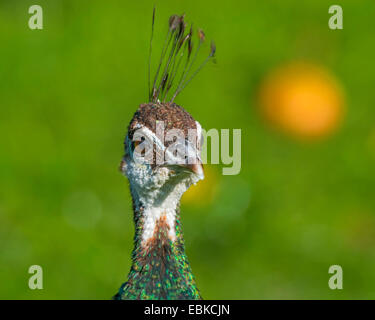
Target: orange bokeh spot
{"x": 302, "y": 99}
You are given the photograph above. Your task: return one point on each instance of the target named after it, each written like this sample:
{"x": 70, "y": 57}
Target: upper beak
{"x": 196, "y": 168}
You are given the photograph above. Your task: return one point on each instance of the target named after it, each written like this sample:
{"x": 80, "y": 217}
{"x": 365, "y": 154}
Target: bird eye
{"x": 137, "y": 143}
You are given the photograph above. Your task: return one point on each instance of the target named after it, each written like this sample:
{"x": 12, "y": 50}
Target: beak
{"x": 196, "y": 168}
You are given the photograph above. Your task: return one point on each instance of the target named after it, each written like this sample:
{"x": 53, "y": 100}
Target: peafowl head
{"x": 162, "y": 151}
{"x": 163, "y": 143}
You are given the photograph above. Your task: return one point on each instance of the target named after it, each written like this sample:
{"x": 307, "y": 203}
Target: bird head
{"x": 163, "y": 143}
{"x": 162, "y": 151}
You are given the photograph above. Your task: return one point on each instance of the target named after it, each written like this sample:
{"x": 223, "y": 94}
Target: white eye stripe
{"x": 199, "y": 134}
{"x": 199, "y": 129}
{"x": 147, "y": 133}
{"x": 185, "y": 150}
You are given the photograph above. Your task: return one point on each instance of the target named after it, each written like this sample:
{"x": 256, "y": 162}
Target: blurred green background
{"x": 67, "y": 93}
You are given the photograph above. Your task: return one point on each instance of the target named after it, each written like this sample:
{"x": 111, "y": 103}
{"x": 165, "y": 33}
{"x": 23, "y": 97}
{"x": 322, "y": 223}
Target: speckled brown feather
{"x": 173, "y": 115}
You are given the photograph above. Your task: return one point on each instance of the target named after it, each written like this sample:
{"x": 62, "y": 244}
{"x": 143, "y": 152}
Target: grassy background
{"x": 67, "y": 93}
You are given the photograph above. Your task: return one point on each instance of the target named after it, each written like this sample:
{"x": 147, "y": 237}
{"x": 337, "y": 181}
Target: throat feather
{"x": 158, "y": 220}
{"x": 154, "y": 205}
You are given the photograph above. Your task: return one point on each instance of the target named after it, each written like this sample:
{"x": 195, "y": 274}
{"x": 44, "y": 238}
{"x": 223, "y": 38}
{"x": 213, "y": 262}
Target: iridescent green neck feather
{"x": 160, "y": 268}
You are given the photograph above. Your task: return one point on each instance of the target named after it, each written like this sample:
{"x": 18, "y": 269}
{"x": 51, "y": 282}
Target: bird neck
{"x": 160, "y": 268}
{"x": 157, "y": 225}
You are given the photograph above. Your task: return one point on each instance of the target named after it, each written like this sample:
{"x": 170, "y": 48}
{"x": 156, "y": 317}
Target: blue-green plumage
{"x": 161, "y": 270}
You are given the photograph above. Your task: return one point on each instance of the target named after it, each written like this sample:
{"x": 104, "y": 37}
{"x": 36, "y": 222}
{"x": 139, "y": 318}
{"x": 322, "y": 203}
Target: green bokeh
{"x": 67, "y": 93}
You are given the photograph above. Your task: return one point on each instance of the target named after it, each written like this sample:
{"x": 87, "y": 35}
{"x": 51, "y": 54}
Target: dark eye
{"x": 136, "y": 143}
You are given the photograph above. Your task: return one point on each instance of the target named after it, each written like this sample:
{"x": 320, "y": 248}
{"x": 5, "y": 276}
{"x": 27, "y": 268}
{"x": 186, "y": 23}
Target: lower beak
{"x": 196, "y": 168}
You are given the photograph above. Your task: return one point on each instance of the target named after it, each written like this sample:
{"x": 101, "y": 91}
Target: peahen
{"x": 160, "y": 268}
